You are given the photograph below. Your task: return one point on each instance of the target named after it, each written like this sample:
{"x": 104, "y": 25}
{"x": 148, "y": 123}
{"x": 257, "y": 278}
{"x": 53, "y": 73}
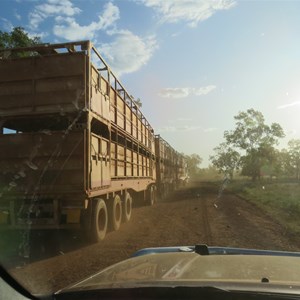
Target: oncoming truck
{"x": 75, "y": 149}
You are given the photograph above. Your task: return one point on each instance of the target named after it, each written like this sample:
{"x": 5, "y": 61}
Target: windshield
{"x": 145, "y": 123}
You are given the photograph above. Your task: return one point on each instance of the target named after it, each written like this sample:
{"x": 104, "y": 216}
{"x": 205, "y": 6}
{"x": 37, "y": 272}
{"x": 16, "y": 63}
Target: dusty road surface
{"x": 194, "y": 215}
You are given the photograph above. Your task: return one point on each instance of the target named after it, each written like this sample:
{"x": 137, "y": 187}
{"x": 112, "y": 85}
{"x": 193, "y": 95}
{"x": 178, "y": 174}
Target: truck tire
{"x": 99, "y": 220}
{"x": 151, "y": 195}
{"x": 115, "y": 213}
{"x": 127, "y": 207}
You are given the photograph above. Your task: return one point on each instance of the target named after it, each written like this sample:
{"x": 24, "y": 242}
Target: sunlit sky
{"x": 193, "y": 63}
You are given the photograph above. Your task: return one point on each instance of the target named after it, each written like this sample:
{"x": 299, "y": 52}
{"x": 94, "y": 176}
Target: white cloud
{"x": 295, "y": 103}
{"x": 6, "y": 24}
{"x": 17, "y": 16}
{"x": 210, "y": 129}
{"x": 291, "y": 132}
{"x": 175, "y": 34}
{"x": 190, "y": 11}
{"x": 183, "y": 128}
{"x": 59, "y": 7}
{"x": 167, "y": 129}
{"x": 178, "y": 128}
{"x": 184, "y": 119}
{"x": 71, "y": 30}
{"x": 35, "y": 19}
{"x": 125, "y": 53}
{"x": 39, "y": 34}
{"x": 51, "y": 8}
{"x": 185, "y": 92}
{"x": 174, "y": 92}
{"x": 128, "y": 52}
{"x": 203, "y": 90}
{"x": 188, "y": 128}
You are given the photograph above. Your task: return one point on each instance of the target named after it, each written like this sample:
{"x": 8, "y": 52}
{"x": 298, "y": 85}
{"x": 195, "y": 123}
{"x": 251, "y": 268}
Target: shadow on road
{"x": 22, "y": 247}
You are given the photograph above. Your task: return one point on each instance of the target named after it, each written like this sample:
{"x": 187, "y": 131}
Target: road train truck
{"x": 75, "y": 149}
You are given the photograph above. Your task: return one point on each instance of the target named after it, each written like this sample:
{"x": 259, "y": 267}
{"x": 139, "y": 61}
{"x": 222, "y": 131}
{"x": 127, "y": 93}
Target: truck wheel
{"x": 116, "y": 213}
{"x": 127, "y": 207}
{"x": 151, "y": 195}
{"x": 99, "y": 220}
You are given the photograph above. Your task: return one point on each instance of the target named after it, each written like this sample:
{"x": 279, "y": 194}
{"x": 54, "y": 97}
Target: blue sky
{"x": 193, "y": 63}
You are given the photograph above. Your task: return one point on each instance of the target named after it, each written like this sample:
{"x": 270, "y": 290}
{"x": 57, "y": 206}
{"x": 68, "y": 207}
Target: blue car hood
{"x": 190, "y": 268}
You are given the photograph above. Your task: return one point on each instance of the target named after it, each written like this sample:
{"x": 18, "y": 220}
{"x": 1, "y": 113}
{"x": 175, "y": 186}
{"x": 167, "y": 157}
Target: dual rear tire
{"x": 109, "y": 216}
{"x": 99, "y": 222}
{"x": 127, "y": 207}
{"x": 151, "y": 195}
{"x": 115, "y": 213}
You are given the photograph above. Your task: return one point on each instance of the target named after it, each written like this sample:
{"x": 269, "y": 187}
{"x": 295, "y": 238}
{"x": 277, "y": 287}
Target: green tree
{"x": 256, "y": 139}
{"x": 211, "y": 172}
{"x": 193, "y": 161}
{"x": 226, "y": 159}
{"x": 137, "y": 101}
{"x": 282, "y": 165}
{"x": 294, "y": 157}
{"x": 17, "y": 38}
{"x": 260, "y": 162}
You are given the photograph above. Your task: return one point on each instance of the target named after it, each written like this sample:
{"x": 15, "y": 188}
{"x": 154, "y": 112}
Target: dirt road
{"x": 192, "y": 216}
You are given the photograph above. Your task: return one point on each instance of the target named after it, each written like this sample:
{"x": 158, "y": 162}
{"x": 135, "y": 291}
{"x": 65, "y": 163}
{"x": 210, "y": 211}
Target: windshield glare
{"x": 138, "y": 124}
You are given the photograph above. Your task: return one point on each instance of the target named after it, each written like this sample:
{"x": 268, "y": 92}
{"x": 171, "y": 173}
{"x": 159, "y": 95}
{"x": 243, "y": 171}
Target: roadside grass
{"x": 280, "y": 200}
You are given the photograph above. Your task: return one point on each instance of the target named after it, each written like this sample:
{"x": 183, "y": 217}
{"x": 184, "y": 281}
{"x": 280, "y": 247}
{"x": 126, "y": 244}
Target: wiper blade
{"x": 207, "y": 250}
{"x": 245, "y": 251}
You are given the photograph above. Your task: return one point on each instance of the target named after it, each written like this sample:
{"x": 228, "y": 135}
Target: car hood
{"x": 181, "y": 269}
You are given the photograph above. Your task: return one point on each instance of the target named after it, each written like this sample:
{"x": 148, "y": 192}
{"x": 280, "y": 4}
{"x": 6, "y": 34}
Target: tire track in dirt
{"x": 205, "y": 221}
{"x": 191, "y": 216}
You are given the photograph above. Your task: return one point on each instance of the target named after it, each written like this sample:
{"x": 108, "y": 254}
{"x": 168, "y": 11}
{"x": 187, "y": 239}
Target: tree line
{"x": 251, "y": 149}
{"x": 17, "y": 38}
